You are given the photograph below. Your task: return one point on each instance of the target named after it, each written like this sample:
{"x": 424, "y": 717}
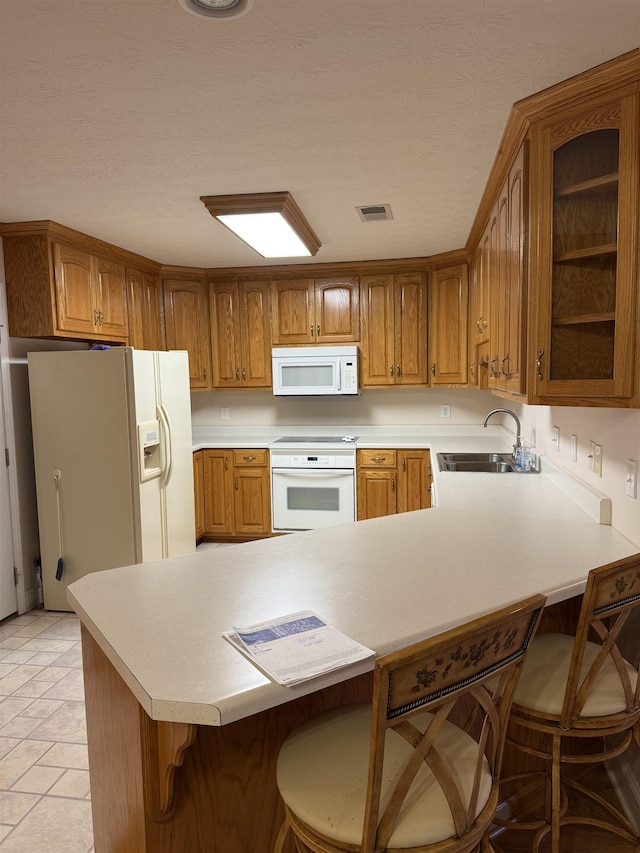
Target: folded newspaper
{"x": 296, "y": 647}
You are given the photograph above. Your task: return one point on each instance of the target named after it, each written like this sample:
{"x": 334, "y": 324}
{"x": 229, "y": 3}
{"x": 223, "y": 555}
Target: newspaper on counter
{"x": 296, "y": 647}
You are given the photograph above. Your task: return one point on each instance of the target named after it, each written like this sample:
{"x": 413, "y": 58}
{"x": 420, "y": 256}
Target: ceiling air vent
{"x": 220, "y": 9}
{"x": 374, "y": 212}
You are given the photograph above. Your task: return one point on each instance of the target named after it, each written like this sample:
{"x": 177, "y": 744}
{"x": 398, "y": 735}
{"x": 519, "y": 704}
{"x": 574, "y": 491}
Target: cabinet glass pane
{"x": 585, "y": 221}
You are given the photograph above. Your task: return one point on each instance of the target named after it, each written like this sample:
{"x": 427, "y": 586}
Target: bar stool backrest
{"x": 466, "y": 676}
{"x": 612, "y": 592}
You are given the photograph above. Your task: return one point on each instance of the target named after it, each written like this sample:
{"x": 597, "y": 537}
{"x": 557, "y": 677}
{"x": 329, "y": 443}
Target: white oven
{"x": 312, "y": 482}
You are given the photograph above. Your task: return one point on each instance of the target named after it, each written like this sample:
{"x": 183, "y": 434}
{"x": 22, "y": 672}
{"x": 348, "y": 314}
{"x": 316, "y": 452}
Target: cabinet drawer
{"x": 377, "y": 458}
{"x": 250, "y": 457}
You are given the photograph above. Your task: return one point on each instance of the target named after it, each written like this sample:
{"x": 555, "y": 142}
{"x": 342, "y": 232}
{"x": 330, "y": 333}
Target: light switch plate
{"x": 555, "y": 439}
{"x": 445, "y": 411}
{"x": 597, "y": 460}
{"x": 224, "y": 414}
{"x": 574, "y": 448}
{"x": 632, "y": 478}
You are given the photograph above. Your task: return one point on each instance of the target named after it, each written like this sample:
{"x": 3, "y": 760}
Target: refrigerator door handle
{"x": 167, "y": 466}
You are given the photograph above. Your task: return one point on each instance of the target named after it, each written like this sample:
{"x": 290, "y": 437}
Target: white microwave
{"x": 314, "y": 370}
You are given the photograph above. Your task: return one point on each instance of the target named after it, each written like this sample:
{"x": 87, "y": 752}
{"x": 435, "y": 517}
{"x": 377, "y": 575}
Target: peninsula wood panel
{"x": 224, "y": 797}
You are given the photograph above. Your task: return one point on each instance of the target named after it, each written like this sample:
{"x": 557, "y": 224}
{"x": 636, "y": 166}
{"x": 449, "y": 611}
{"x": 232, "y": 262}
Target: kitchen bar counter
{"x": 165, "y": 691}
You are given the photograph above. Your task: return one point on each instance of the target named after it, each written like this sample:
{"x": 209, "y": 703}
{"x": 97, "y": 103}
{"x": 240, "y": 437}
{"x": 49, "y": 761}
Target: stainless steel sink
{"x": 492, "y": 463}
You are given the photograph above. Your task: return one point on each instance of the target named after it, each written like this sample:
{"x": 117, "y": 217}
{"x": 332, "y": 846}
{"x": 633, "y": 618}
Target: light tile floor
{"x": 44, "y": 779}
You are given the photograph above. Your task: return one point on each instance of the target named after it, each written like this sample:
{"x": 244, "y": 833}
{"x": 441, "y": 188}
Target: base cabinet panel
{"x": 237, "y": 493}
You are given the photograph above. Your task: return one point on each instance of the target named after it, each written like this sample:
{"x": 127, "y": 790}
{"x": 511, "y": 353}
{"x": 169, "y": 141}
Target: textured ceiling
{"x": 118, "y": 116}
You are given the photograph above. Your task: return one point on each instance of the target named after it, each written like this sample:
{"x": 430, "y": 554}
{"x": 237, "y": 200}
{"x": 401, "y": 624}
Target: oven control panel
{"x": 313, "y": 460}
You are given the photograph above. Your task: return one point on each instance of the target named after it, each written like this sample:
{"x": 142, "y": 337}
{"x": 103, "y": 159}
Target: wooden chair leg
{"x": 555, "y": 795}
{"x": 282, "y": 836}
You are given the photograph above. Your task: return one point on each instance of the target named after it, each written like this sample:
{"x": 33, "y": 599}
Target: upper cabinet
{"x": 449, "y": 293}
{"x": 146, "y": 310}
{"x": 186, "y": 309}
{"x": 584, "y": 272}
{"x": 506, "y": 268}
{"x": 394, "y": 329}
{"x": 59, "y": 289}
{"x": 315, "y": 311}
{"x": 240, "y": 334}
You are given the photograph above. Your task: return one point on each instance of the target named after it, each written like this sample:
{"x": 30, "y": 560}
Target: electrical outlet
{"x": 555, "y": 439}
{"x": 591, "y": 456}
{"x": 224, "y": 414}
{"x": 632, "y": 478}
{"x": 597, "y": 460}
{"x": 445, "y": 411}
{"x": 574, "y": 448}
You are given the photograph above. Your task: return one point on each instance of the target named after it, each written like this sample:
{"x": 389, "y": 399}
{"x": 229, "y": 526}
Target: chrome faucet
{"x": 515, "y": 417}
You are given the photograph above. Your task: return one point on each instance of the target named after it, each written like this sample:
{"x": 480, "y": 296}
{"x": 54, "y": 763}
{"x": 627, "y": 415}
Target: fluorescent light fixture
{"x": 271, "y": 223}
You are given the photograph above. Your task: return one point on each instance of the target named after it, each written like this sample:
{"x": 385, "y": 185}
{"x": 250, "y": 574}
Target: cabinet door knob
{"x": 249, "y": 458}
{"x": 539, "y": 364}
{"x": 377, "y": 458}
{"x": 226, "y": 463}
{"x": 391, "y": 371}
{"x": 237, "y": 373}
{"x": 433, "y": 369}
{"x": 236, "y": 483}
{"x": 311, "y": 330}
{"x": 492, "y": 366}
{"x": 244, "y": 373}
{"x": 318, "y": 329}
{"x": 398, "y": 370}
{"x": 204, "y": 374}
{"x": 502, "y": 370}
{"x": 479, "y": 324}
{"x": 393, "y": 485}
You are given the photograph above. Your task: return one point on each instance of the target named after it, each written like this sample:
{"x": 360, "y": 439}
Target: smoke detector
{"x": 220, "y": 9}
{"x": 374, "y": 212}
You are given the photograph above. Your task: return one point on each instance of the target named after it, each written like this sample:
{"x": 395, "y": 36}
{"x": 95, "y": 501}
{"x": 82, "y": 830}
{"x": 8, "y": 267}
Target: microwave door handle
{"x": 340, "y": 369}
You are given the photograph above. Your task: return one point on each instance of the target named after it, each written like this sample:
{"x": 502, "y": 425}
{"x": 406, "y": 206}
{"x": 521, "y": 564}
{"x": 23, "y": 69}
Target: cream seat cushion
{"x": 323, "y": 768}
{"x": 544, "y": 678}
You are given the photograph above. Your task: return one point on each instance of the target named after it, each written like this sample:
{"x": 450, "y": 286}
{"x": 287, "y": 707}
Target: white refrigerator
{"x": 113, "y": 461}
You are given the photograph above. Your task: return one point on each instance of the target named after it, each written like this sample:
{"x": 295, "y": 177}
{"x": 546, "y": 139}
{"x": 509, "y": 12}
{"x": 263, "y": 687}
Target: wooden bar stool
{"x": 417, "y": 770}
{"x": 577, "y": 702}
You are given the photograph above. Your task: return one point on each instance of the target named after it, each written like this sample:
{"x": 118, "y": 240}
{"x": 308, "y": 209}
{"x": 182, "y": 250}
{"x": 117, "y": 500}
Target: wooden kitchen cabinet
{"x": 198, "y": 492}
{"x": 414, "y": 480}
{"x": 316, "y": 311}
{"x": 146, "y": 310}
{"x": 240, "y": 334}
{"x": 237, "y": 494}
{"x": 507, "y": 270}
{"x": 449, "y": 295}
{"x": 57, "y": 289}
{"x": 187, "y": 326}
{"x": 585, "y": 187}
{"x": 394, "y": 330}
{"x": 391, "y": 481}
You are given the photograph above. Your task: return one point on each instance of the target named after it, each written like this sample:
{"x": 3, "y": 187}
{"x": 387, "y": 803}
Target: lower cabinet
{"x": 198, "y": 491}
{"x": 236, "y": 493}
{"x": 391, "y": 481}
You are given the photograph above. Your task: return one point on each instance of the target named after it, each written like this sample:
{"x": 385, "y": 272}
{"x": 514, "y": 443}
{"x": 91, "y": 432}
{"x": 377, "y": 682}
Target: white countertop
{"x": 491, "y": 540}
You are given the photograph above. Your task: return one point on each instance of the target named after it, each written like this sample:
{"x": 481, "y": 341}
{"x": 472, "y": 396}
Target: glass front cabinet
{"x": 584, "y": 275}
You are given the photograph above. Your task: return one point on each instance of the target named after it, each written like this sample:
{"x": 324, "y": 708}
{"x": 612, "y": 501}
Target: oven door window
{"x": 322, "y": 498}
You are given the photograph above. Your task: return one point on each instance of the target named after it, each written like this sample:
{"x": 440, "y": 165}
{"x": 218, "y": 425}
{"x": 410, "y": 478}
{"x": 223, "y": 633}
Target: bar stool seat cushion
{"x": 322, "y": 777}
{"x": 544, "y": 678}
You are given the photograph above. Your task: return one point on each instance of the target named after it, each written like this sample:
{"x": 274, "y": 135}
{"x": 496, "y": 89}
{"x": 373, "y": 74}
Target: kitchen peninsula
{"x": 183, "y": 731}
